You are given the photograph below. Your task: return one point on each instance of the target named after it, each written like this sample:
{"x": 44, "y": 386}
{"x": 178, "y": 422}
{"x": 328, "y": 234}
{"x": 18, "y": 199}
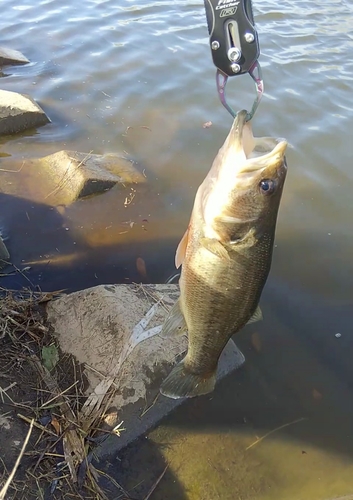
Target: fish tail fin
{"x": 181, "y": 383}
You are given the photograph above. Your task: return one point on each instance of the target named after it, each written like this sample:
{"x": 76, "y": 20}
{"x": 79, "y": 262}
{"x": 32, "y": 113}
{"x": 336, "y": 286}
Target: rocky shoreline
{"x": 112, "y": 332}
{"x": 65, "y": 176}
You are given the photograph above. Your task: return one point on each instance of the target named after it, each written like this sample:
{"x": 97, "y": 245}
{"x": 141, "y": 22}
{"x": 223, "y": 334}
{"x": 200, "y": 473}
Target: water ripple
{"x": 98, "y": 67}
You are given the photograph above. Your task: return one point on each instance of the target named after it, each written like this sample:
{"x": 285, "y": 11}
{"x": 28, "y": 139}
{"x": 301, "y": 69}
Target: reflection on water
{"x": 137, "y": 78}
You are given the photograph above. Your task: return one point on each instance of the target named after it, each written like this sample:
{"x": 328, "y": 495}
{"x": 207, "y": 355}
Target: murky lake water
{"x": 98, "y": 67}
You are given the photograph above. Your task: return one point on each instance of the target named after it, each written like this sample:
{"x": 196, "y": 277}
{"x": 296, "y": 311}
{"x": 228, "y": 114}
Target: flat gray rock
{"x": 140, "y": 417}
{"x": 19, "y": 112}
{"x": 114, "y": 332}
{"x": 11, "y": 56}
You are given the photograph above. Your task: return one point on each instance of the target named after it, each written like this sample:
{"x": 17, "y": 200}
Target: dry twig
{"x": 275, "y": 430}
{"x": 17, "y": 463}
{"x": 154, "y": 486}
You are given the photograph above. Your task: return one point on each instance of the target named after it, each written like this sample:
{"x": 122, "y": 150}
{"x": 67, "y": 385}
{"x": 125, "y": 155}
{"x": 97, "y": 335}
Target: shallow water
{"x": 98, "y": 67}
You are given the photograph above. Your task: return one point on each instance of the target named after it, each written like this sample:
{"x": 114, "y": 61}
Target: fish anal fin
{"x": 181, "y": 250}
{"x": 181, "y": 383}
{"x": 215, "y": 246}
{"x": 175, "y": 322}
{"x": 257, "y": 316}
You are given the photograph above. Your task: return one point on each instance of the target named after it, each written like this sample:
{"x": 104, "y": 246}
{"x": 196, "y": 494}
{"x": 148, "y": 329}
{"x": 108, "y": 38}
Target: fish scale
{"x": 238, "y": 288}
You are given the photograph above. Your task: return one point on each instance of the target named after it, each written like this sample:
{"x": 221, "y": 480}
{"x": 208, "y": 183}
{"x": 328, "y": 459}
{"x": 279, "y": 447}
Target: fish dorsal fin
{"x": 181, "y": 250}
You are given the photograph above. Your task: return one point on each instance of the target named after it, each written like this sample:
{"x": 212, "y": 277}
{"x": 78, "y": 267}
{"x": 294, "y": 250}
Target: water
{"x": 100, "y": 67}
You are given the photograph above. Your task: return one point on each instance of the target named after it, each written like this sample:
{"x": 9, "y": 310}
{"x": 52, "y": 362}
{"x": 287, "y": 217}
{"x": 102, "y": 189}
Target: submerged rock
{"x": 11, "y": 56}
{"x": 4, "y": 254}
{"x": 19, "y": 112}
{"x": 70, "y": 175}
{"x": 113, "y": 331}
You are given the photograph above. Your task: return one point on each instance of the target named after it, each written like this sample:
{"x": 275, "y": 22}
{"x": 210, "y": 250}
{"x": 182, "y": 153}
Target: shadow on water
{"x": 138, "y": 472}
{"x": 38, "y": 237}
{"x": 298, "y": 371}
{"x": 295, "y": 389}
{"x": 39, "y": 229}
{"x": 30, "y": 230}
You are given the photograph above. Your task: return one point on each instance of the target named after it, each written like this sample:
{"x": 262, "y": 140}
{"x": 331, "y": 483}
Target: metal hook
{"x": 256, "y": 74}
{"x": 221, "y": 79}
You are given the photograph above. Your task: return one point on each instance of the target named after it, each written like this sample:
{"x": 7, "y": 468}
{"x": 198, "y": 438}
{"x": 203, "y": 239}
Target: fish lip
{"x": 240, "y": 119}
{"x": 273, "y": 158}
{"x": 259, "y": 152}
{"x": 270, "y": 165}
{"x": 239, "y": 122}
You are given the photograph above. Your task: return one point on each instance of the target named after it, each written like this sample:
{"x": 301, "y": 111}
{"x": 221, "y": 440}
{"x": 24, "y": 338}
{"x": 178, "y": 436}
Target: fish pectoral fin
{"x": 181, "y": 250}
{"x": 181, "y": 383}
{"x": 257, "y": 316}
{"x": 215, "y": 246}
{"x": 175, "y": 322}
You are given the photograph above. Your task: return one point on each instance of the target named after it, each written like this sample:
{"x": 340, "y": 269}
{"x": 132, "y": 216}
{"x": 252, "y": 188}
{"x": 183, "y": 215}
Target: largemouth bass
{"x": 225, "y": 254}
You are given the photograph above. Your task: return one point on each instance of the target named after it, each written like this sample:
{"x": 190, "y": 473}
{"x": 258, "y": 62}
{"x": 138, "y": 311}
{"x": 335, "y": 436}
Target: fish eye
{"x": 267, "y": 186}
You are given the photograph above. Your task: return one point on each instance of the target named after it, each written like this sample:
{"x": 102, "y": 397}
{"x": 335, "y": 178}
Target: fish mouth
{"x": 255, "y": 154}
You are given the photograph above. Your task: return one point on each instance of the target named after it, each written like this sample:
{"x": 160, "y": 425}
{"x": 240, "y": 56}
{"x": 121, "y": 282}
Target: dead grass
{"x": 50, "y": 394}
{"x": 9, "y": 480}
